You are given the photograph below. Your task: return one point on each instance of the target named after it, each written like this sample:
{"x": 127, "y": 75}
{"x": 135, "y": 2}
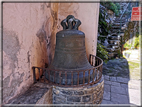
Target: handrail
{"x": 124, "y": 11}
{"x": 121, "y": 24}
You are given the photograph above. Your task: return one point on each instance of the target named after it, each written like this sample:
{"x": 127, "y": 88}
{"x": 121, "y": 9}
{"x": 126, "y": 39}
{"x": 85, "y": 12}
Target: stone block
{"x": 70, "y": 102}
{"x": 118, "y": 90}
{"x": 81, "y": 95}
{"x": 98, "y": 100}
{"x": 78, "y": 92}
{"x": 106, "y": 102}
{"x": 115, "y": 83}
{"x": 107, "y": 88}
{"x": 123, "y": 80}
{"x": 106, "y": 96}
{"x": 124, "y": 85}
{"x": 56, "y": 92}
{"x": 90, "y": 91}
{"x": 112, "y": 78}
{"x": 59, "y": 98}
{"x": 94, "y": 96}
{"x": 119, "y": 98}
{"x": 106, "y": 77}
{"x": 73, "y": 99}
{"x": 107, "y": 82}
{"x": 58, "y": 102}
{"x": 86, "y": 98}
{"x": 67, "y": 92}
{"x": 99, "y": 93}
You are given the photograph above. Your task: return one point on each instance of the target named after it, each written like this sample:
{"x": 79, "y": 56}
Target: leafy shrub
{"x": 127, "y": 45}
{"x": 104, "y": 27}
{"x": 101, "y": 52}
{"x": 136, "y": 43}
{"x": 115, "y": 7}
{"x": 118, "y": 6}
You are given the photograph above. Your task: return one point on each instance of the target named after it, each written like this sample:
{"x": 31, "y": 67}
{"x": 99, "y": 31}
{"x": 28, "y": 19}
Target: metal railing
{"x": 75, "y": 78}
{"x": 129, "y": 15}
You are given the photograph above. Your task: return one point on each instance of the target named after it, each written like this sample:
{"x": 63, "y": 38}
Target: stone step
{"x": 121, "y": 34}
{"x": 111, "y": 54}
{"x": 117, "y": 30}
{"x": 118, "y": 21}
{"x": 112, "y": 49}
{"x": 113, "y": 34}
{"x": 118, "y": 24}
{"x": 114, "y": 30}
{"x": 123, "y": 18}
{"x": 114, "y": 42}
{"x": 115, "y": 27}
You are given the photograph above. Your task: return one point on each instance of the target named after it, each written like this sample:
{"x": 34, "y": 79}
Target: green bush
{"x": 115, "y": 7}
{"x": 104, "y": 27}
{"x": 127, "y": 45}
{"x": 118, "y": 6}
{"x": 101, "y": 52}
{"x": 136, "y": 44}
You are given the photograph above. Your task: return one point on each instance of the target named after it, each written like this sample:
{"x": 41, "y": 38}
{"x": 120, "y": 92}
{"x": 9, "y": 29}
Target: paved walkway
{"x": 134, "y": 54}
{"x": 118, "y": 90}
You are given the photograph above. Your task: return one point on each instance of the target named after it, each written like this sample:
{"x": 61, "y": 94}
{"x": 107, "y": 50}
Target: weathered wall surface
{"x": 88, "y": 14}
{"x": 27, "y": 42}
{"x": 29, "y": 38}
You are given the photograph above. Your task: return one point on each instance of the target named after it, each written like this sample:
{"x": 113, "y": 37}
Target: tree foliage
{"x": 115, "y": 7}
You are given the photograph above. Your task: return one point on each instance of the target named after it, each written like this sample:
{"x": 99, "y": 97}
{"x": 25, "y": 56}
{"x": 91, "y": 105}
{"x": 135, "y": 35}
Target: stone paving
{"x": 119, "y": 90}
{"x": 31, "y": 96}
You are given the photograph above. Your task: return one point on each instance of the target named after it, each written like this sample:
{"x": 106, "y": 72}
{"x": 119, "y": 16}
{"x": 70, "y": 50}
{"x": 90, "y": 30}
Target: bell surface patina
{"x": 70, "y": 53}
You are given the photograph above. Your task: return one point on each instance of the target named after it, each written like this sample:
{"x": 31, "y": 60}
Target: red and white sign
{"x": 136, "y": 14}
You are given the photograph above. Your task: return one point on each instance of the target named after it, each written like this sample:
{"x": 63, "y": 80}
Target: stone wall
{"x": 29, "y": 38}
{"x": 83, "y": 95}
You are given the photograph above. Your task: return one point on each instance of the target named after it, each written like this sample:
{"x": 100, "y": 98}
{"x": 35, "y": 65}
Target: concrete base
{"x": 82, "y": 95}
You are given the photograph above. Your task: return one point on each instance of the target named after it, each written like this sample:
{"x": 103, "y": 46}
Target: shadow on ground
{"x": 120, "y": 85}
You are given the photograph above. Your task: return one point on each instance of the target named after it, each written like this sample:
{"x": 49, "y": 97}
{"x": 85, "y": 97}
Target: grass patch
{"x": 134, "y": 70}
{"x": 133, "y": 65}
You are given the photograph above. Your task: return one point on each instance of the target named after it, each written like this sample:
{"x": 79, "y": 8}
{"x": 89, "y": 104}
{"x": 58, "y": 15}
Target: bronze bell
{"x": 70, "y": 53}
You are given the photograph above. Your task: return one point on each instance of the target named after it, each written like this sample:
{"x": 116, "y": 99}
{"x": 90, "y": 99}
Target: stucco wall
{"x": 29, "y": 35}
{"x": 88, "y": 14}
{"x": 27, "y": 42}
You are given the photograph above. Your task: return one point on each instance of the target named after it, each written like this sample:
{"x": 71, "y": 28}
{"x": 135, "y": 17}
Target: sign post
{"x": 136, "y": 14}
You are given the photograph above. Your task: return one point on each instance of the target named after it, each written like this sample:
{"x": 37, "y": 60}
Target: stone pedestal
{"x": 83, "y": 95}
